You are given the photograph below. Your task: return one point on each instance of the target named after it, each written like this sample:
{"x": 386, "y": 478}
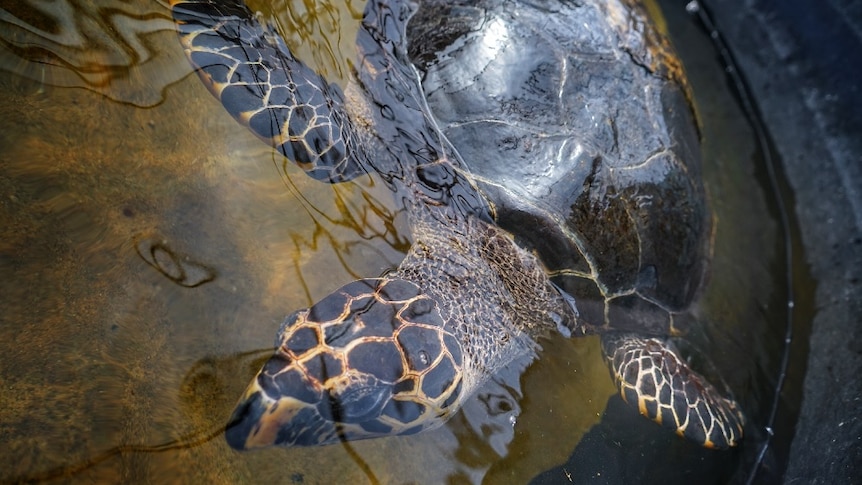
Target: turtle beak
{"x": 267, "y": 415}
{"x": 244, "y": 430}
{"x": 260, "y": 421}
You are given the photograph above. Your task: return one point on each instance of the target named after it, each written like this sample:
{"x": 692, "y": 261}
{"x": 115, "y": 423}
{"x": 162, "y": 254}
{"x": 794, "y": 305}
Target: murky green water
{"x": 150, "y": 247}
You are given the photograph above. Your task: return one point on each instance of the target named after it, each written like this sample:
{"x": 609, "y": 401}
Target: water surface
{"x": 150, "y": 247}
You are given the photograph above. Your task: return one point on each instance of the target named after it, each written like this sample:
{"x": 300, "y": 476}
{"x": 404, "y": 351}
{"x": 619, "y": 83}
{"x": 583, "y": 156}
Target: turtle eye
{"x": 362, "y": 399}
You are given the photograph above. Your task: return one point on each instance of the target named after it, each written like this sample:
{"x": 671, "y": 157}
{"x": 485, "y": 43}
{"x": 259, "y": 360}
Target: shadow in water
{"x": 176, "y": 267}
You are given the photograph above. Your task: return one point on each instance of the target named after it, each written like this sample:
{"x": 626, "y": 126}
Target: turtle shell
{"x": 581, "y": 145}
{"x": 571, "y": 118}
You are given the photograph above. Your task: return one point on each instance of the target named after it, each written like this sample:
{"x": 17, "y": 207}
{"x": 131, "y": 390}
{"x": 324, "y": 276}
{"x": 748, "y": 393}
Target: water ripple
{"x": 108, "y": 48}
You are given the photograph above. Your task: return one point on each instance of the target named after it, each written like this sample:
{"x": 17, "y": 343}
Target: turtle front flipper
{"x": 653, "y": 378}
{"x": 264, "y": 87}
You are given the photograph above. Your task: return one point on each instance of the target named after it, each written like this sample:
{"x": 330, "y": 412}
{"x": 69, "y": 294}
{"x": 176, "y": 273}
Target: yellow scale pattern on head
{"x": 434, "y": 406}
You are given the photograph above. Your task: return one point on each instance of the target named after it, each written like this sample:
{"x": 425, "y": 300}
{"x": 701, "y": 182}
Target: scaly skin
{"x": 400, "y": 354}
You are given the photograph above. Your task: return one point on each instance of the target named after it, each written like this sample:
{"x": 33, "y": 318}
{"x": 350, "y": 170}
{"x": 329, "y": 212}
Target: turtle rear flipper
{"x": 653, "y": 378}
{"x": 281, "y": 100}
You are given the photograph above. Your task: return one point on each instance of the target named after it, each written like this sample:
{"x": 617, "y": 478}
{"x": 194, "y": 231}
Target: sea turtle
{"x": 577, "y": 207}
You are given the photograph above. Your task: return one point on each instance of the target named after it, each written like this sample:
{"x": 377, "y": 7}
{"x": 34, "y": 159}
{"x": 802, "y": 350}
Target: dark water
{"x": 758, "y": 264}
{"x": 150, "y": 248}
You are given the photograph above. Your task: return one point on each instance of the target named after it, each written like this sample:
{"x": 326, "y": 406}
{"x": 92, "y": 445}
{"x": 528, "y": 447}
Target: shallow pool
{"x": 150, "y": 247}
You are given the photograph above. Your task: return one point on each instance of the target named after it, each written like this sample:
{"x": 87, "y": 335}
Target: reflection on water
{"x": 322, "y": 34}
{"x": 150, "y": 247}
{"x": 106, "y": 47}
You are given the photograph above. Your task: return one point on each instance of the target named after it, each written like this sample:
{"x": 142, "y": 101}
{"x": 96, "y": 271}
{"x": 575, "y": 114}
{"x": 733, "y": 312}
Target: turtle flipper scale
{"x": 651, "y": 377}
{"x": 264, "y": 87}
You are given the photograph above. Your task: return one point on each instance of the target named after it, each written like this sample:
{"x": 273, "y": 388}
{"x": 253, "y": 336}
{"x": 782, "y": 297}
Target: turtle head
{"x": 372, "y": 359}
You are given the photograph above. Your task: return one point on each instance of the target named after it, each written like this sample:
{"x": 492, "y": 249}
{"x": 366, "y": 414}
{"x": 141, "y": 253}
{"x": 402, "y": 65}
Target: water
{"x": 151, "y": 246}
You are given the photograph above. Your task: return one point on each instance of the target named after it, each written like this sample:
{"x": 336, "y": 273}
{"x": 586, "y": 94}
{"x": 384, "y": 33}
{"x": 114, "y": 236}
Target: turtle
{"x": 547, "y": 159}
